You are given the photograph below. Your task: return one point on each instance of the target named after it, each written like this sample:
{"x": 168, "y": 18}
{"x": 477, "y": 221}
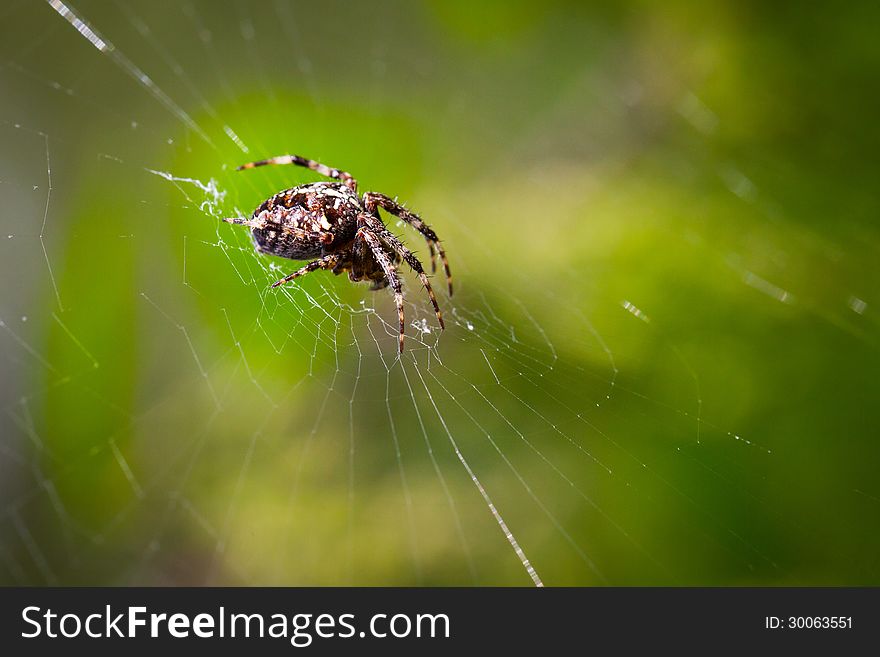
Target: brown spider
{"x": 327, "y": 221}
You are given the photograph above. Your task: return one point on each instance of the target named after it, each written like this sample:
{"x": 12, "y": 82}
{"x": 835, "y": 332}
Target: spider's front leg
{"x": 323, "y": 169}
{"x": 364, "y": 233}
{"x": 377, "y": 227}
{"x": 374, "y": 200}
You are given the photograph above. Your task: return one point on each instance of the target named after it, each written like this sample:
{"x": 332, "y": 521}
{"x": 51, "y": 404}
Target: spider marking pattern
{"x": 327, "y": 221}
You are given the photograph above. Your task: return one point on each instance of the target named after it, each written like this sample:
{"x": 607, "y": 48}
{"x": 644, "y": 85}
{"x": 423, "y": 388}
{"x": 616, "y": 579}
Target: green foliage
{"x": 713, "y": 168}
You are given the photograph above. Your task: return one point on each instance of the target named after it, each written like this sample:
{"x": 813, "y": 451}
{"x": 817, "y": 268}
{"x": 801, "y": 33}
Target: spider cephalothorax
{"x": 343, "y": 232}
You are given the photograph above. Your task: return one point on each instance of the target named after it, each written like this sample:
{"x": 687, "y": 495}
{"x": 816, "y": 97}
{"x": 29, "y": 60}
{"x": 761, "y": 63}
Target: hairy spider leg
{"x": 364, "y": 233}
{"x": 432, "y": 254}
{"x": 383, "y": 233}
{"x": 258, "y": 222}
{"x": 323, "y": 169}
{"x": 372, "y": 200}
{"x": 241, "y": 221}
{"x": 327, "y": 262}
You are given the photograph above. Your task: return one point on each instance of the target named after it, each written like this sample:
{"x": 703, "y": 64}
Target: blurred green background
{"x": 662, "y": 355}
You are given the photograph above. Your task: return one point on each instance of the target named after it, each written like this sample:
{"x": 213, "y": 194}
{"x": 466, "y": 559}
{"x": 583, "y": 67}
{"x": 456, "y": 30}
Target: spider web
{"x": 168, "y": 418}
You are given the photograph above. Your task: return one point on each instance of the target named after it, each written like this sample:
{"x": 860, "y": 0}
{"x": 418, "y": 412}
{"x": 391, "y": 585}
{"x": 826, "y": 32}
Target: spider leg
{"x": 261, "y": 222}
{"x": 241, "y": 221}
{"x": 432, "y": 254}
{"x": 376, "y": 226}
{"x": 364, "y": 233}
{"x": 372, "y": 200}
{"x": 327, "y": 262}
{"x": 323, "y": 169}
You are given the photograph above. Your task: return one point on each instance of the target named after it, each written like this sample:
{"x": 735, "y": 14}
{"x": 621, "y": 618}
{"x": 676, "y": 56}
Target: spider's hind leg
{"x": 327, "y": 262}
{"x": 323, "y": 169}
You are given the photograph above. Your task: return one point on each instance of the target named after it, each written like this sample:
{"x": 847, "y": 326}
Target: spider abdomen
{"x": 290, "y": 234}
{"x": 306, "y": 221}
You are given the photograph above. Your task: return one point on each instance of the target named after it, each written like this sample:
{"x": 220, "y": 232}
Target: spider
{"x": 329, "y": 222}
